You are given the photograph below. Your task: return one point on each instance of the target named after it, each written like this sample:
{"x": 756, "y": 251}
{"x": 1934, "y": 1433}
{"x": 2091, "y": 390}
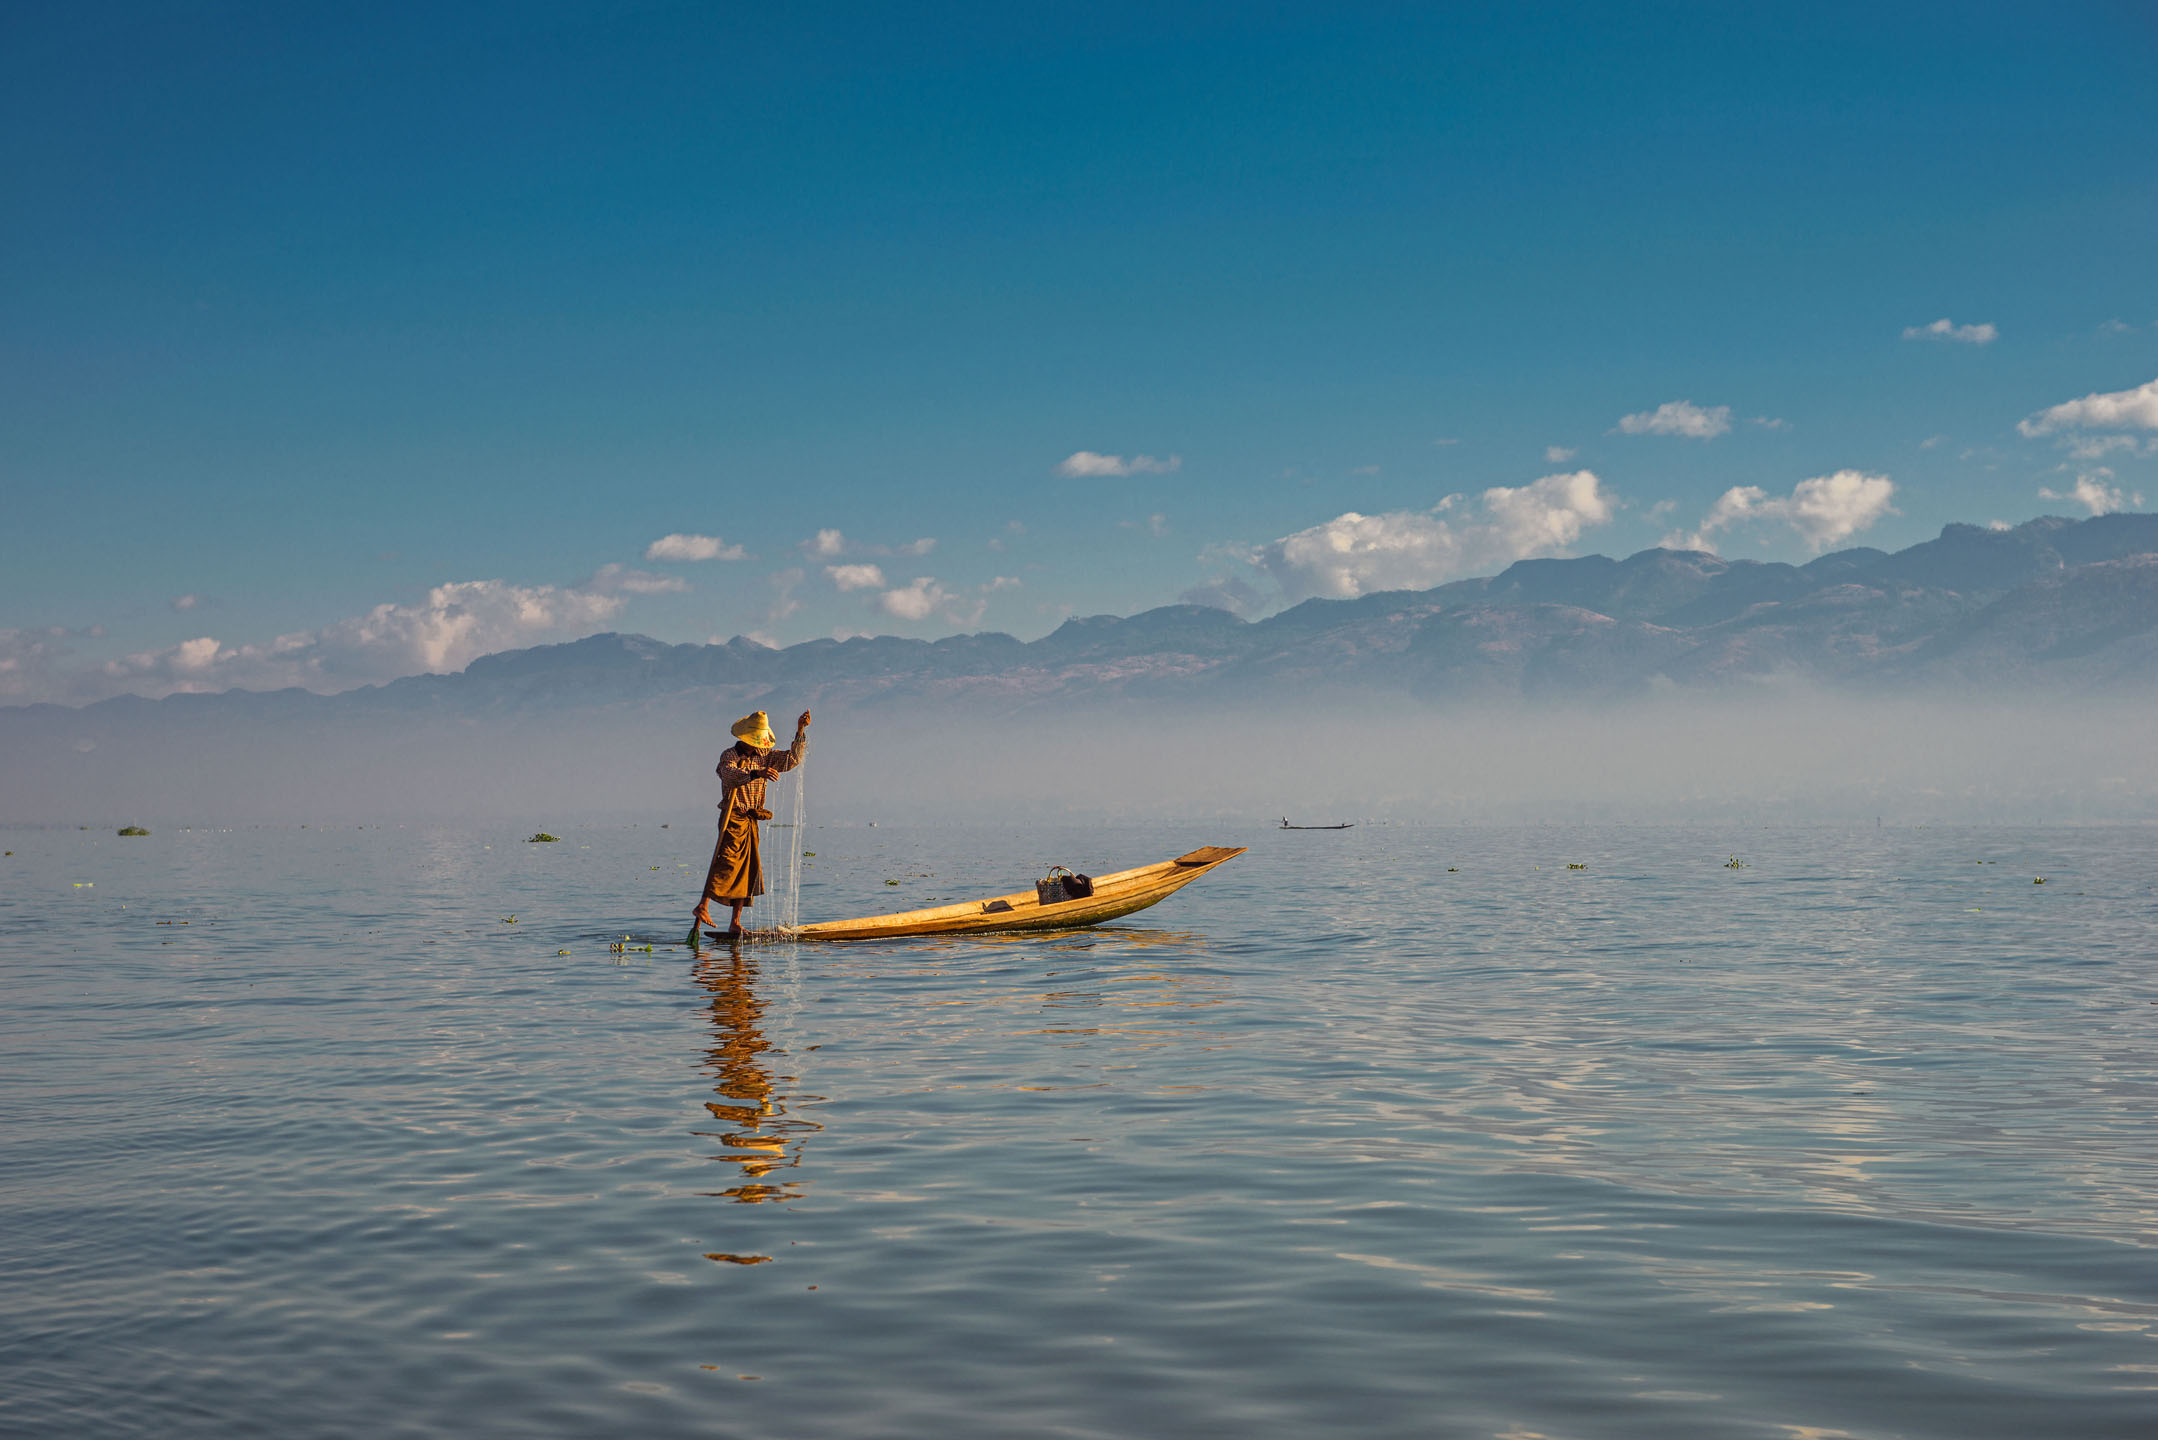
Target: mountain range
{"x": 2053, "y": 606}
{"x": 2032, "y": 653}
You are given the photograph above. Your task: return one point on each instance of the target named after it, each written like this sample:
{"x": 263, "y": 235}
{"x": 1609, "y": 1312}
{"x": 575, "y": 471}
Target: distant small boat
{"x": 1344, "y": 825}
{"x": 1114, "y": 896}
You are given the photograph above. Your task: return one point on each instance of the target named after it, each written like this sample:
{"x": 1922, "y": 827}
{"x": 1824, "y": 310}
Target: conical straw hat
{"x": 756, "y": 729}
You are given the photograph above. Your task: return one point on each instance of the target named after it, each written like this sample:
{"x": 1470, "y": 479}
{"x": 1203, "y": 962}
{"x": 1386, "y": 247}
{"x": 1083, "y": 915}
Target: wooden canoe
{"x": 1114, "y": 895}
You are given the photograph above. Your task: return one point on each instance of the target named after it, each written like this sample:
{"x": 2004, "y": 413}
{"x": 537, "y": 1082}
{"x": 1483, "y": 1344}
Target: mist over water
{"x": 1773, "y": 755}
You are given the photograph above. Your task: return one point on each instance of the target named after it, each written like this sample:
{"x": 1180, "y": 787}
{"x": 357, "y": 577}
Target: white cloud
{"x": 456, "y": 624}
{"x": 1946, "y": 329}
{"x": 32, "y": 665}
{"x": 1087, "y": 462}
{"x": 27, "y": 661}
{"x": 1558, "y": 454}
{"x": 1769, "y": 422}
{"x": 691, "y": 547}
{"x": 1356, "y": 554}
{"x": 2135, "y": 409}
{"x": 1679, "y": 417}
{"x": 925, "y": 596}
{"x": 1829, "y": 508}
{"x": 1735, "y": 504}
{"x": 1823, "y": 510}
{"x": 194, "y": 656}
{"x": 783, "y": 583}
{"x": 2097, "y": 447}
{"x": 1227, "y": 592}
{"x": 1548, "y": 515}
{"x": 855, "y": 577}
{"x": 916, "y": 601}
{"x": 610, "y": 578}
{"x": 2093, "y": 493}
{"x": 1353, "y": 554}
{"x": 830, "y": 544}
{"x": 186, "y": 602}
{"x": 1931, "y": 442}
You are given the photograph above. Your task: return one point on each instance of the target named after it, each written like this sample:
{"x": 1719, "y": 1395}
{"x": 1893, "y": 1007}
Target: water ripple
{"x": 1853, "y": 1141}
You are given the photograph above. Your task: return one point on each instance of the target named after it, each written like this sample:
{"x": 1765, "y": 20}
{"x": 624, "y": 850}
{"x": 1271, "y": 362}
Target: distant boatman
{"x": 737, "y": 873}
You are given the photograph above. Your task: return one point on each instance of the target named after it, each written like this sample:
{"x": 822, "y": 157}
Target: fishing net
{"x": 786, "y": 834}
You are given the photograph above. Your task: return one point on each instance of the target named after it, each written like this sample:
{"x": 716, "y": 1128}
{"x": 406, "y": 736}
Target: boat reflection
{"x": 762, "y": 1140}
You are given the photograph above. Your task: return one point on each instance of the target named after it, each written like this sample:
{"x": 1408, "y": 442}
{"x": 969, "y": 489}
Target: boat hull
{"x": 1124, "y": 893}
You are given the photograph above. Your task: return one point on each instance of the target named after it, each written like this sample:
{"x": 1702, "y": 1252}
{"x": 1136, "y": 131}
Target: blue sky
{"x": 387, "y": 330}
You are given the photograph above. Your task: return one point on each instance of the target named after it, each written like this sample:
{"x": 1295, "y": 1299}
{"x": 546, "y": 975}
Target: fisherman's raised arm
{"x": 782, "y": 760}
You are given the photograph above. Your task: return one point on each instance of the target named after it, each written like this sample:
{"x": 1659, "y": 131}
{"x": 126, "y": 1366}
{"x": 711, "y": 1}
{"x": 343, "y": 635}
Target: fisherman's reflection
{"x": 762, "y": 1140}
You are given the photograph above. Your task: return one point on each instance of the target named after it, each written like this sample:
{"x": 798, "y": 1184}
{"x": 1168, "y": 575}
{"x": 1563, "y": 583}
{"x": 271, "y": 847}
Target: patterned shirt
{"x": 741, "y": 771}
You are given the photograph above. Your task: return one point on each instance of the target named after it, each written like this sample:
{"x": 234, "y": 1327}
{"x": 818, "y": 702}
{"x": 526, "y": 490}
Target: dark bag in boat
{"x": 1063, "y": 885}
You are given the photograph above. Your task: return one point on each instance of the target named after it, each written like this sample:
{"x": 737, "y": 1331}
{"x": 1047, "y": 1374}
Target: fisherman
{"x": 737, "y": 873}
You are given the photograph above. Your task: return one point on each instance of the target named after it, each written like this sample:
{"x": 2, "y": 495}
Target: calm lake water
{"x": 1856, "y": 1140}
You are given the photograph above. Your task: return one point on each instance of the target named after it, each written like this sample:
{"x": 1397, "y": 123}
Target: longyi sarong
{"x": 737, "y": 871}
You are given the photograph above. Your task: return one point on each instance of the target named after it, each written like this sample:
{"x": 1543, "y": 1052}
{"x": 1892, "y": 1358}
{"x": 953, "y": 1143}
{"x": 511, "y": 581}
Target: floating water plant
{"x": 1453, "y": 869}
{"x": 132, "y": 830}
{"x": 509, "y": 919}
{"x": 1571, "y": 866}
{"x": 1734, "y": 863}
{"x": 543, "y": 838}
{"x": 2038, "y": 879}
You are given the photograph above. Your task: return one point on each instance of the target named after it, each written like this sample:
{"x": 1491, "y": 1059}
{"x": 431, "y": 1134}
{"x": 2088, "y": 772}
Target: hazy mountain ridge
{"x": 1983, "y": 674}
{"x": 2054, "y": 602}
